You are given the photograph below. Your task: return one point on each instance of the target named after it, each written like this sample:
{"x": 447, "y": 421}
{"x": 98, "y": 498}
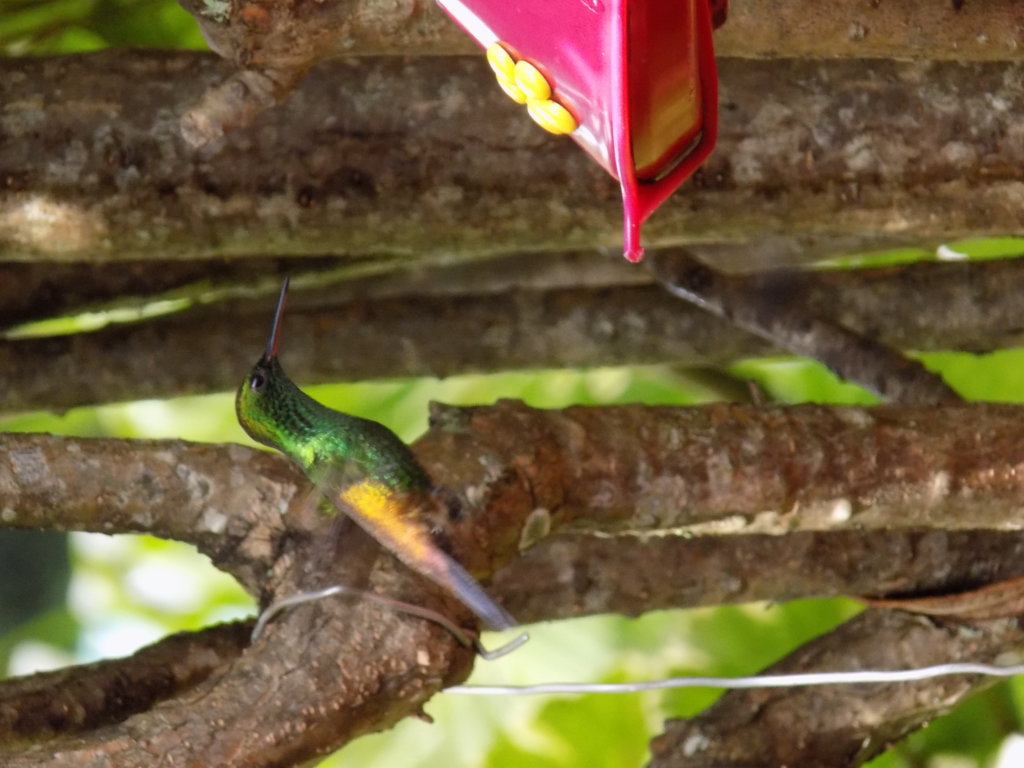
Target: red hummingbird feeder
{"x": 631, "y": 81}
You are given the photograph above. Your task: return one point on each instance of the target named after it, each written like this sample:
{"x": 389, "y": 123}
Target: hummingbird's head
{"x": 265, "y": 400}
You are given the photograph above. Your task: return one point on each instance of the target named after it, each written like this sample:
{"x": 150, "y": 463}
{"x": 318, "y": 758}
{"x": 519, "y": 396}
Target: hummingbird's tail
{"x": 384, "y": 515}
{"x": 469, "y": 591}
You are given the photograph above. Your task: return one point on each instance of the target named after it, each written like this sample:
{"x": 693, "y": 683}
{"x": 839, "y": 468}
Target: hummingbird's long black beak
{"x": 275, "y": 330}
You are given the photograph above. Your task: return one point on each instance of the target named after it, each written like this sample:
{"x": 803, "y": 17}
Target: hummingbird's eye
{"x": 256, "y": 382}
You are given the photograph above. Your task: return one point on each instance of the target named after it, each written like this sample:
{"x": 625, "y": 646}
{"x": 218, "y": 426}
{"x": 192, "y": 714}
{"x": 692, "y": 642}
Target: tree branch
{"x": 228, "y": 502}
{"x": 807, "y": 150}
{"x": 275, "y": 45}
{"x": 730, "y": 469}
{"x": 631, "y": 479}
{"x": 380, "y": 328}
{"x": 841, "y": 725}
{"x": 582, "y": 574}
{"x": 313, "y": 682}
{"x": 851, "y": 355}
{"x": 326, "y": 672}
{"x": 39, "y": 291}
{"x": 756, "y": 28}
{"x": 83, "y": 698}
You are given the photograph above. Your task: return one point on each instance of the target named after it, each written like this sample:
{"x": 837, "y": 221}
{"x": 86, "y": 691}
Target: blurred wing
{"x": 388, "y": 516}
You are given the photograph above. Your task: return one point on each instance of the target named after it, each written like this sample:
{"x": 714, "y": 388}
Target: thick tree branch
{"x": 841, "y": 725}
{"x": 379, "y": 328}
{"x": 808, "y": 150}
{"x": 313, "y": 682}
{"x": 228, "y": 502}
{"x": 579, "y": 574}
{"x": 276, "y": 44}
{"x": 318, "y": 676}
{"x": 731, "y": 469}
{"x": 756, "y": 28}
{"x": 884, "y": 529}
{"x": 79, "y": 699}
{"x": 631, "y": 477}
{"x": 625, "y": 471}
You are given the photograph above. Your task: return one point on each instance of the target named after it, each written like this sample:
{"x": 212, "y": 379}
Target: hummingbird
{"x": 361, "y": 466}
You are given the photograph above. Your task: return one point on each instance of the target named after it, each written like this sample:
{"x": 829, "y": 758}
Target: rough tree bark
{"x": 501, "y": 315}
{"x": 739, "y": 730}
{"x": 261, "y": 40}
{"x": 375, "y": 164}
{"x": 756, "y": 29}
{"x": 809, "y": 162}
{"x": 631, "y": 483}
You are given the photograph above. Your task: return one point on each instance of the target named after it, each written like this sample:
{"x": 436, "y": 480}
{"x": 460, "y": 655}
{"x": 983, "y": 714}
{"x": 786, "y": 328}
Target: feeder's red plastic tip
{"x": 633, "y": 251}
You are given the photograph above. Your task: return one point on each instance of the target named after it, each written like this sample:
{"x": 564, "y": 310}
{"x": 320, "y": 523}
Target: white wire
{"x": 852, "y": 677}
{"x": 754, "y": 681}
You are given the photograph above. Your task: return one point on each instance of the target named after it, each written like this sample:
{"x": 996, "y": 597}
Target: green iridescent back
{"x": 275, "y": 412}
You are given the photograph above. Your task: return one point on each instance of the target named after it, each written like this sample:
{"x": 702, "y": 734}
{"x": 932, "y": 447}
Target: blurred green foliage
{"x": 49, "y": 27}
{"x": 118, "y": 599}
